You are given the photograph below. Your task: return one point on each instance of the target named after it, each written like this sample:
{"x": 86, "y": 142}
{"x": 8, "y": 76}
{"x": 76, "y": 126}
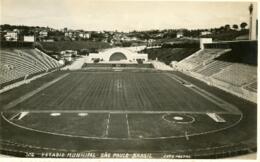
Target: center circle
{"x": 117, "y": 56}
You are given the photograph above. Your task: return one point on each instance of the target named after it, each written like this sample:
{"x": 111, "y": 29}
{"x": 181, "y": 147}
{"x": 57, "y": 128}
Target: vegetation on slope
{"x": 73, "y": 45}
{"x": 167, "y": 55}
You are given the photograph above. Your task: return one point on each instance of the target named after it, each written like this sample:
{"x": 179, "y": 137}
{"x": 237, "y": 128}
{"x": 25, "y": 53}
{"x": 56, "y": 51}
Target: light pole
{"x": 250, "y": 20}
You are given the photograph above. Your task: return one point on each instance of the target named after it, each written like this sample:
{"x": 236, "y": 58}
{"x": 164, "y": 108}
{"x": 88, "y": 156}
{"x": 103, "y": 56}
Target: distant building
{"x": 68, "y": 34}
{"x": 48, "y": 40}
{"x": 28, "y": 38}
{"x": 11, "y": 35}
{"x": 72, "y": 52}
{"x": 204, "y": 41}
{"x": 179, "y": 34}
{"x": 205, "y": 33}
{"x": 67, "y": 54}
{"x": 150, "y": 42}
{"x": 126, "y": 38}
{"x": 43, "y": 34}
{"x": 84, "y": 35}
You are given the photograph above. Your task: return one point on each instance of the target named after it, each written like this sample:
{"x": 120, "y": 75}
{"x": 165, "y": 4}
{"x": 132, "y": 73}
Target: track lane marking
{"x": 30, "y": 94}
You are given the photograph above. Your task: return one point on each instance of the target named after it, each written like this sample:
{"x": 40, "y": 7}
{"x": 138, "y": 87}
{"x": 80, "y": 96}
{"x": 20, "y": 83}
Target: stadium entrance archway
{"x": 117, "y": 56}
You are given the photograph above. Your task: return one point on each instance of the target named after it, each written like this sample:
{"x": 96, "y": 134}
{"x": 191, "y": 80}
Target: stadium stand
{"x": 22, "y": 63}
{"x": 200, "y": 58}
{"x": 231, "y": 66}
{"x": 211, "y": 68}
{"x": 252, "y": 86}
{"x": 237, "y": 74}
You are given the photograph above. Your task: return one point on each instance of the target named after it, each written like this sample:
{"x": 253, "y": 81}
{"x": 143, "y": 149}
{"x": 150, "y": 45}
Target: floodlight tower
{"x": 252, "y": 23}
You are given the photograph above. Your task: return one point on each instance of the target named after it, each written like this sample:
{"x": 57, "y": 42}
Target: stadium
{"x": 129, "y": 102}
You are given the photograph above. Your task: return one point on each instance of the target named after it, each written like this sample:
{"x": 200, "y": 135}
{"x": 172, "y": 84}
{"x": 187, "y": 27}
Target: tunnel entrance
{"x": 117, "y": 56}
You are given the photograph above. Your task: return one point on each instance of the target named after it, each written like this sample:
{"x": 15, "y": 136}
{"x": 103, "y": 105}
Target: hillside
{"x": 73, "y": 45}
{"x": 167, "y": 55}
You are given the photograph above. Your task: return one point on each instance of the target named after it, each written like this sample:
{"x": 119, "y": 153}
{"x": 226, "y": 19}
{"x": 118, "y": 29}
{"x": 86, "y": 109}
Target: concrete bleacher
{"x": 237, "y": 74}
{"x": 212, "y": 68}
{"x": 230, "y": 66}
{"x": 200, "y": 58}
{"x": 22, "y": 63}
{"x": 252, "y": 86}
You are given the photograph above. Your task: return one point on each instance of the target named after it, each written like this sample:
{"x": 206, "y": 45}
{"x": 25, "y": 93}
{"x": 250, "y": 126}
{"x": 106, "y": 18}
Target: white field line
{"x": 216, "y": 118}
{"x": 108, "y": 122}
{"x": 23, "y": 114}
{"x": 121, "y": 112}
{"x": 87, "y": 137}
{"x": 209, "y": 96}
{"x": 128, "y": 129}
{"x": 186, "y": 135}
{"x": 14, "y": 116}
{"x": 30, "y": 94}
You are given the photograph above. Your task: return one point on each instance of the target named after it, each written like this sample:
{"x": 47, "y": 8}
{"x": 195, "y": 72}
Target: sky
{"x": 123, "y": 15}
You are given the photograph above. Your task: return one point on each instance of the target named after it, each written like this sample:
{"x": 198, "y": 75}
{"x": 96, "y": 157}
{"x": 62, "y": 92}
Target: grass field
{"x": 158, "y": 113}
{"x": 118, "y": 91}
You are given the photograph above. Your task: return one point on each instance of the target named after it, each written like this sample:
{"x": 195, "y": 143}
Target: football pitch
{"x": 133, "y": 113}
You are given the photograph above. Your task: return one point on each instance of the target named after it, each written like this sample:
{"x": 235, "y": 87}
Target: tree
{"x": 243, "y": 25}
{"x": 221, "y": 29}
{"x": 235, "y": 26}
{"x": 227, "y": 27}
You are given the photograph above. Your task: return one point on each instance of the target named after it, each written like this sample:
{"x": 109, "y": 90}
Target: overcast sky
{"x": 122, "y": 15}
